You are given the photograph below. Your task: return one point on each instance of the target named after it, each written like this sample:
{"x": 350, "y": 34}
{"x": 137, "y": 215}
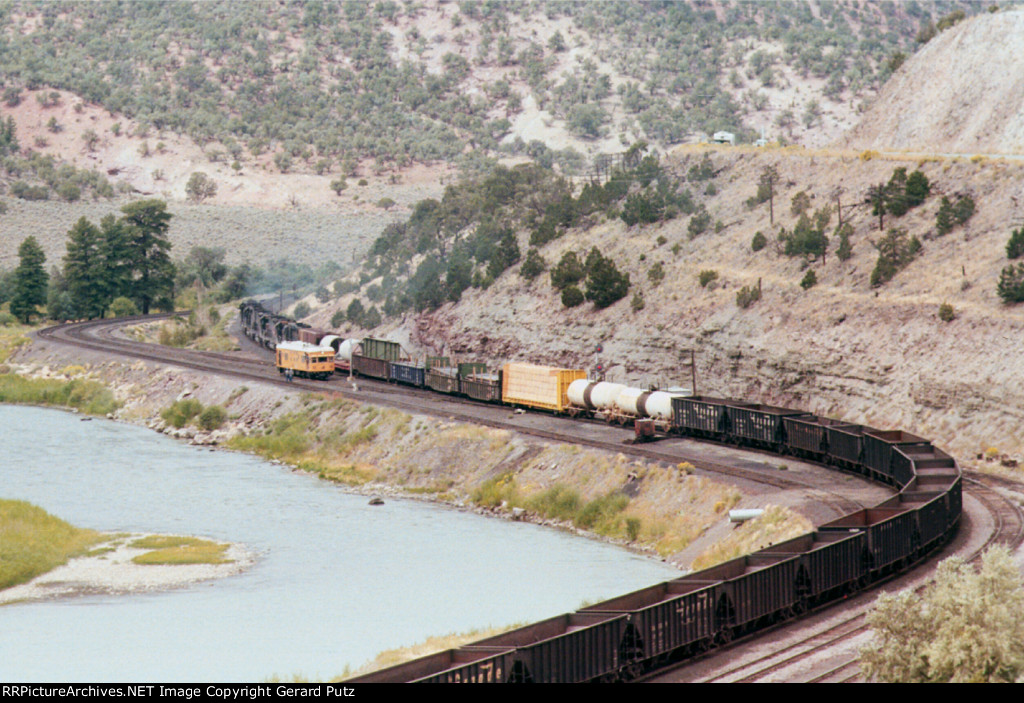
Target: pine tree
{"x": 944, "y": 217}
{"x": 30, "y": 280}
{"x": 84, "y": 270}
{"x": 117, "y": 270}
{"x": 146, "y": 222}
{"x": 605, "y": 284}
{"x": 1015, "y": 247}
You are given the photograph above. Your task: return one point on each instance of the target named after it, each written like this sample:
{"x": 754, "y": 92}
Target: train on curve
{"x": 624, "y": 637}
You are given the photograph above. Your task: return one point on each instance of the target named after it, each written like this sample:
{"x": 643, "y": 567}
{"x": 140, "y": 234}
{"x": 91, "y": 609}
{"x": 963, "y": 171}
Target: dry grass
{"x": 432, "y": 645}
{"x": 776, "y": 524}
{"x": 179, "y": 550}
{"x": 33, "y": 542}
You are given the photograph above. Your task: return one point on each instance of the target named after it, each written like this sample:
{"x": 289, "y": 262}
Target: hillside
{"x": 963, "y": 92}
{"x": 879, "y": 356}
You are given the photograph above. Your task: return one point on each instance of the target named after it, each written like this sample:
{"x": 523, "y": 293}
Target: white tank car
{"x": 594, "y": 395}
{"x": 631, "y": 402}
{"x": 659, "y": 404}
{"x": 637, "y": 402}
{"x": 343, "y": 348}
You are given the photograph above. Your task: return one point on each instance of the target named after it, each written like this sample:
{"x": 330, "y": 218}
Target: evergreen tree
{"x": 1010, "y": 286}
{"x": 152, "y": 283}
{"x": 30, "y": 280}
{"x": 877, "y": 198}
{"x": 944, "y": 217}
{"x": 605, "y": 284}
{"x": 917, "y": 188}
{"x": 1015, "y": 247}
{"x": 84, "y": 271}
{"x": 117, "y": 270}
{"x": 568, "y": 272}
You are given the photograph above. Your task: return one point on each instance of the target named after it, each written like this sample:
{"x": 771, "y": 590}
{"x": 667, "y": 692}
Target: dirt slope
{"x": 962, "y": 93}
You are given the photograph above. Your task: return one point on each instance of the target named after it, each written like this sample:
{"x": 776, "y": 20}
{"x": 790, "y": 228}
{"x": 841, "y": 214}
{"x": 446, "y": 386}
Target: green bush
{"x": 810, "y": 278}
{"x": 747, "y": 296}
{"x": 122, "y": 307}
{"x": 301, "y": 310}
{"x": 533, "y": 266}
{"x": 946, "y": 312}
{"x": 1015, "y": 246}
{"x": 895, "y": 252}
{"x": 707, "y": 276}
{"x": 212, "y": 417}
{"x": 759, "y": 242}
{"x": 182, "y": 412}
{"x": 572, "y": 296}
{"x": 1011, "y": 284}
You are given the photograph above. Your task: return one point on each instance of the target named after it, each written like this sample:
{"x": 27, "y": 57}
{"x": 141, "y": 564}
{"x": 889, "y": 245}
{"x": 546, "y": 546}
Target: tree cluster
{"x": 605, "y": 284}
{"x": 125, "y": 257}
{"x": 899, "y": 195}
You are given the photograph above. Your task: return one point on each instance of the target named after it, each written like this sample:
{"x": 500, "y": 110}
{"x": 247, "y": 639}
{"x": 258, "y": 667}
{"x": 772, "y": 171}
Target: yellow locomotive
{"x": 305, "y": 360}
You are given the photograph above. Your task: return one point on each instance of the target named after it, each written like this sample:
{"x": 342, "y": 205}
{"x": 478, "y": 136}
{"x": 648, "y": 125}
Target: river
{"x": 335, "y": 582}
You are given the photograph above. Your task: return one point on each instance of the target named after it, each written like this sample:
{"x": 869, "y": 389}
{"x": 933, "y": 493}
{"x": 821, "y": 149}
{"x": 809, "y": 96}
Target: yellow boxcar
{"x": 542, "y": 387}
{"x": 305, "y": 360}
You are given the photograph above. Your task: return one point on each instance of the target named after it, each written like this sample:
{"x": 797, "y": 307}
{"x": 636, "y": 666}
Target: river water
{"x": 335, "y": 582}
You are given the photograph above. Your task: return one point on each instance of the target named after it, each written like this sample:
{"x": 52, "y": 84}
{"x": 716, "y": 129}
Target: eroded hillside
{"x": 842, "y": 348}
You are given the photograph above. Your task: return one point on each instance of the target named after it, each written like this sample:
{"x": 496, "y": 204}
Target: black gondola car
{"x": 760, "y": 425}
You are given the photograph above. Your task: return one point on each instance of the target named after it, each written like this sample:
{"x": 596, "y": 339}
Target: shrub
{"x": 533, "y": 266}
{"x": 707, "y": 276}
{"x": 569, "y": 271}
{"x": 605, "y": 283}
{"x": 572, "y": 296}
{"x": 1015, "y": 247}
{"x": 637, "y": 304}
{"x": 1011, "y": 284}
{"x": 759, "y": 242}
{"x": 338, "y": 318}
{"x": 699, "y": 223}
{"x": 946, "y": 312}
{"x": 212, "y": 417}
{"x": 810, "y": 278}
{"x": 182, "y": 412}
{"x": 122, "y": 307}
{"x": 845, "y": 250}
{"x": 747, "y": 296}
{"x": 895, "y": 252}
{"x": 966, "y": 625}
{"x": 301, "y": 310}
{"x": 656, "y": 274}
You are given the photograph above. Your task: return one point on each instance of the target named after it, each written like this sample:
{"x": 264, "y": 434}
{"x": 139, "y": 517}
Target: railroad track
{"x": 100, "y": 335}
{"x": 827, "y": 653}
{"x": 796, "y": 654}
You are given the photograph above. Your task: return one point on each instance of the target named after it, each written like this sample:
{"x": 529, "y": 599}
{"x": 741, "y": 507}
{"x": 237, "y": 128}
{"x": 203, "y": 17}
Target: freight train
{"x": 624, "y": 637}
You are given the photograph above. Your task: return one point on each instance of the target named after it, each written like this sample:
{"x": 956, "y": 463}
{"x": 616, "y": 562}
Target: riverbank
{"x": 108, "y": 569}
{"x": 658, "y": 509}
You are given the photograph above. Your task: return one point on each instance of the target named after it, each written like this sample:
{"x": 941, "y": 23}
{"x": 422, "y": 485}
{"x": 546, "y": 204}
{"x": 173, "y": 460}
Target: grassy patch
{"x": 432, "y": 645}
{"x": 33, "y": 542}
{"x": 182, "y": 412}
{"x": 776, "y": 524}
{"x": 179, "y": 550}
{"x": 90, "y": 397}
